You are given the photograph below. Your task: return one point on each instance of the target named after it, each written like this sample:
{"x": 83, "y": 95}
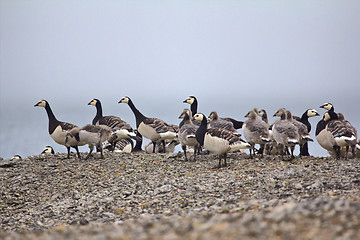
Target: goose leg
{"x": 77, "y": 151}
{"x": 337, "y": 151}
{"x": 68, "y": 152}
{"x": 91, "y": 149}
{"x": 347, "y": 151}
{"x": 225, "y": 160}
{"x": 292, "y": 152}
{"x": 163, "y": 142}
{"x": 154, "y": 145}
{"x": 184, "y": 149}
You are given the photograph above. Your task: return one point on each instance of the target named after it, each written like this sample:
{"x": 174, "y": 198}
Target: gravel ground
{"x": 157, "y": 196}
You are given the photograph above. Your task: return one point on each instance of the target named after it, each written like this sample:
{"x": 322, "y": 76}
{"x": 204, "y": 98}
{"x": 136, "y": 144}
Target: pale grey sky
{"x": 233, "y": 55}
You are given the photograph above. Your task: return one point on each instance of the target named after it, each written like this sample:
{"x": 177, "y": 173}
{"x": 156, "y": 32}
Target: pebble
{"x": 151, "y": 196}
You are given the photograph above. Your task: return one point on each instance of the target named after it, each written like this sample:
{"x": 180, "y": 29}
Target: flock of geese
{"x": 213, "y": 133}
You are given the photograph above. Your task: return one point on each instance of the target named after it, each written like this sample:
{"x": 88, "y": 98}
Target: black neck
{"x": 200, "y": 132}
{"x": 98, "y": 112}
{"x": 305, "y": 116}
{"x": 138, "y": 115}
{"x": 53, "y": 122}
{"x": 193, "y": 107}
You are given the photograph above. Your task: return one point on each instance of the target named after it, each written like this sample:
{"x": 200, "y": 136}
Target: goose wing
{"x": 114, "y": 122}
{"x": 159, "y": 125}
{"x": 342, "y": 128}
{"x": 67, "y": 126}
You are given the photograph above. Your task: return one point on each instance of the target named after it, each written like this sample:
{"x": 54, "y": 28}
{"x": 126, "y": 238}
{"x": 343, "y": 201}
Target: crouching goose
{"x": 151, "y": 128}
{"x": 48, "y": 150}
{"x": 89, "y": 134}
{"x": 255, "y": 131}
{"x": 218, "y": 140}
{"x": 123, "y": 145}
{"x": 159, "y": 147}
{"x": 285, "y": 133}
{"x": 58, "y": 129}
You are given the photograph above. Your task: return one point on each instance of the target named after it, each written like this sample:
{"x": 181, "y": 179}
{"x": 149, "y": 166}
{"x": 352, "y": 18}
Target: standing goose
{"x": 151, "y": 128}
{"x": 285, "y": 133}
{"x": 304, "y": 135}
{"x": 304, "y": 150}
{"x": 217, "y": 140}
{"x": 332, "y": 134}
{"x": 187, "y": 133}
{"x": 114, "y": 122}
{"x": 57, "y": 129}
{"x": 255, "y": 131}
{"x": 89, "y": 134}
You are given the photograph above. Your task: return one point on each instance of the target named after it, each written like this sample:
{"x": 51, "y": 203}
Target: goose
{"x": 304, "y": 135}
{"x": 285, "y": 133}
{"x": 332, "y": 134}
{"x": 151, "y": 128}
{"x": 58, "y": 129}
{"x": 116, "y": 123}
{"x": 187, "y": 133}
{"x": 48, "y": 150}
{"x": 123, "y": 145}
{"x": 215, "y": 121}
{"x": 270, "y": 148}
{"x": 217, "y": 140}
{"x": 255, "y": 131}
{"x": 234, "y": 123}
{"x": 159, "y": 148}
{"x": 89, "y": 134}
{"x": 16, "y": 157}
{"x": 304, "y": 150}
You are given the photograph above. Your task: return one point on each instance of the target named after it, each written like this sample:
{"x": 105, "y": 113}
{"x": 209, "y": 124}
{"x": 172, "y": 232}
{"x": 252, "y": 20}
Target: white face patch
{"x": 190, "y": 100}
{"x": 93, "y": 102}
{"x": 124, "y": 100}
{"x": 312, "y": 113}
{"x": 41, "y": 103}
{"x": 327, "y": 106}
{"x": 198, "y": 117}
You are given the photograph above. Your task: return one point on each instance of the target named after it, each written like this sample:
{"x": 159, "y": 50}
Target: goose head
{"x": 41, "y": 103}
{"x": 251, "y": 114}
{"x": 213, "y": 116}
{"x": 200, "y": 117}
{"x": 190, "y": 100}
{"x": 125, "y": 100}
{"x": 312, "y": 113}
{"x": 328, "y": 106}
{"x": 280, "y": 113}
{"x": 93, "y": 102}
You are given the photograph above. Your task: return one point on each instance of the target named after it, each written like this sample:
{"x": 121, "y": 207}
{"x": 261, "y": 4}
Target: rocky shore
{"x": 158, "y": 196}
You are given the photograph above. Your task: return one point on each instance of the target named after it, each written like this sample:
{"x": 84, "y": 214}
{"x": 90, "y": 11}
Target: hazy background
{"x": 232, "y": 55}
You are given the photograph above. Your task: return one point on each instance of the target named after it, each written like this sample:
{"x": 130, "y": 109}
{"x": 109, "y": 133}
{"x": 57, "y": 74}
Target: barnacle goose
{"x": 218, "y": 140}
{"x": 58, "y": 129}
